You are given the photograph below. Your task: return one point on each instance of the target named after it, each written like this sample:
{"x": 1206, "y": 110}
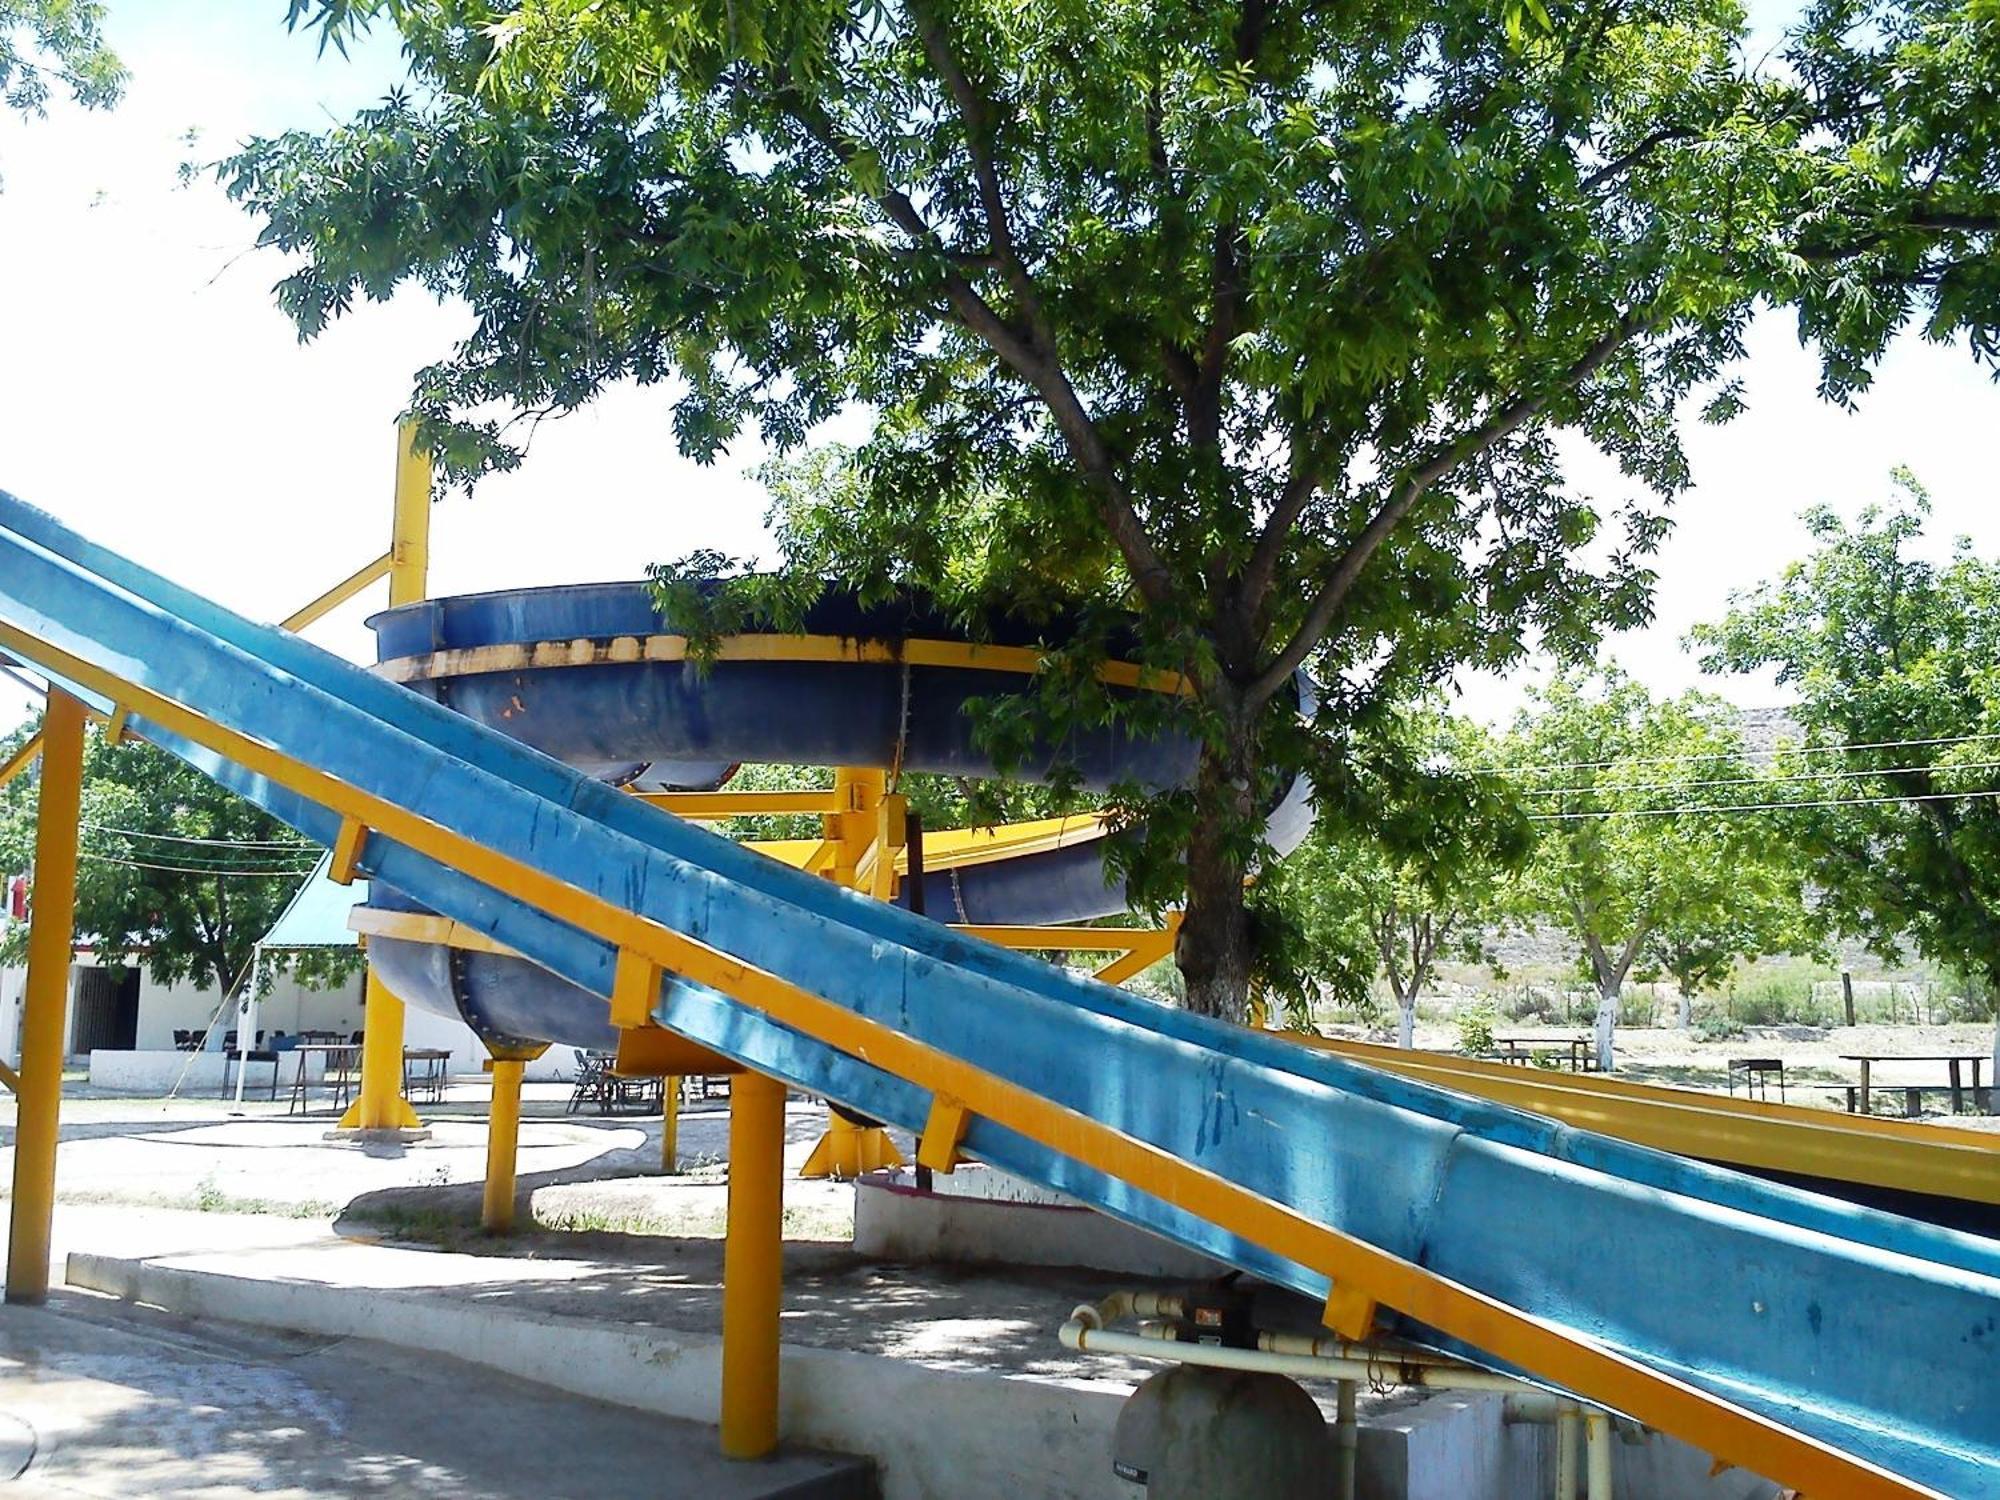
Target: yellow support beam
{"x": 379, "y": 1104}
{"x": 23, "y": 757}
{"x": 713, "y": 807}
{"x": 867, "y": 816}
{"x": 956, "y": 848}
{"x": 944, "y": 1128}
{"x": 503, "y": 1139}
{"x": 45, "y": 1003}
{"x": 670, "y": 1124}
{"x": 1143, "y": 955}
{"x": 1067, "y": 939}
{"x": 1558, "y": 1355}
{"x": 1948, "y": 1161}
{"x": 591, "y": 652}
{"x": 340, "y": 593}
{"x": 753, "y": 1266}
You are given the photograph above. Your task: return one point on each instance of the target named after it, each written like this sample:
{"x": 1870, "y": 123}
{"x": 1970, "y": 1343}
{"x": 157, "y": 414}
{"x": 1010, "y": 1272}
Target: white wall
{"x": 165, "y": 1009}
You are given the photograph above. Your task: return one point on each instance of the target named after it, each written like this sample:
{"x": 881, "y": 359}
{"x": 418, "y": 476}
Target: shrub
{"x": 1475, "y": 1028}
{"x": 1717, "y": 1026}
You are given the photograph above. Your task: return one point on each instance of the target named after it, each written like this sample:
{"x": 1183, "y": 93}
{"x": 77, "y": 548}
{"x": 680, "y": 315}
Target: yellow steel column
{"x": 503, "y": 1135}
{"x": 850, "y": 1148}
{"x": 380, "y": 1104}
{"x": 44, "y": 1015}
{"x": 670, "y": 1124}
{"x": 752, "y": 1266}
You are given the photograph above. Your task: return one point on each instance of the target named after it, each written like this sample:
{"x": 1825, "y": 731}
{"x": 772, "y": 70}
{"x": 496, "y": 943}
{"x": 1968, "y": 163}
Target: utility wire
{"x": 1674, "y": 760}
{"x": 135, "y": 864}
{"x": 175, "y": 838}
{"x": 1743, "y": 807}
{"x": 1668, "y": 786}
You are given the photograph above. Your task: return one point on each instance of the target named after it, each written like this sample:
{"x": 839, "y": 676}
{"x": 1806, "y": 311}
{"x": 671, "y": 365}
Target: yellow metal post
{"x": 857, "y": 832}
{"x": 503, "y": 1136}
{"x": 670, "y": 1124}
{"x": 51, "y": 936}
{"x": 380, "y": 1104}
{"x": 752, "y": 1266}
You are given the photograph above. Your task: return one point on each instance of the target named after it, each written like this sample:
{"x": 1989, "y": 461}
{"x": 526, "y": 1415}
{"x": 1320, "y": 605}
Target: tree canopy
{"x": 50, "y": 44}
{"x": 1622, "y": 789}
{"x": 1261, "y": 320}
{"x": 1896, "y": 770}
{"x": 172, "y": 869}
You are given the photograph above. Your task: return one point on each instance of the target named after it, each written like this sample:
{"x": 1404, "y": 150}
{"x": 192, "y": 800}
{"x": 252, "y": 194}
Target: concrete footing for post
{"x": 979, "y": 1216}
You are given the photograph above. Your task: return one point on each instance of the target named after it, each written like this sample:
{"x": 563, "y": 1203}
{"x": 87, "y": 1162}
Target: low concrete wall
{"x": 958, "y": 1223}
{"x": 934, "y": 1433}
{"x": 158, "y": 1073}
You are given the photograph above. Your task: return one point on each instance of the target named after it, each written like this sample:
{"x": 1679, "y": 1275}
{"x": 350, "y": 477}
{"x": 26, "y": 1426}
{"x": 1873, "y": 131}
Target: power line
{"x": 1667, "y": 786}
{"x": 175, "y": 838}
{"x": 134, "y": 864}
{"x": 1673, "y": 760}
{"x": 1736, "y": 807}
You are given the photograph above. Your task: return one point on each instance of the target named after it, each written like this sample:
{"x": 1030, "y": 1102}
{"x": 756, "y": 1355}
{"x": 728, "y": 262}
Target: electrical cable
{"x": 1742, "y": 807}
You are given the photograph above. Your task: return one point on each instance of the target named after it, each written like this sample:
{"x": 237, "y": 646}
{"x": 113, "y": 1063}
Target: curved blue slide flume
{"x": 1825, "y": 1318}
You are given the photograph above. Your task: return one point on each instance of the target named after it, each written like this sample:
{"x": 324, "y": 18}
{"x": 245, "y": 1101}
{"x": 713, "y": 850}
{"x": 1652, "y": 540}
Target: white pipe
{"x": 1346, "y": 1440}
{"x": 1569, "y": 1422}
{"x": 1078, "y": 1334}
{"x": 1597, "y": 1454}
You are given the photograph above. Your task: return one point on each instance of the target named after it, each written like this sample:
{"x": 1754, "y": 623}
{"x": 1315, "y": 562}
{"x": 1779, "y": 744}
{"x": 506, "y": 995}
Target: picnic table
{"x": 337, "y": 1073}
{"x": 1521, "y": 1047}
{"x": 1954, "y": 1071}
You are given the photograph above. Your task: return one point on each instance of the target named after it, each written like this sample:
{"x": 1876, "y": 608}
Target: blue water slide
{"x": 632, "y": 720}
{"x": 1825, "y": 1318}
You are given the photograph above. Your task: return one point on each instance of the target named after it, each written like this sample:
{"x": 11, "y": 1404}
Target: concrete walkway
{"x": 107, "y": 1400}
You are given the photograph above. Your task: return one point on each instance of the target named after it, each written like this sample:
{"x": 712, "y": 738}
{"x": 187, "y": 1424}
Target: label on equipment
{"x": 1130, "y": 1472}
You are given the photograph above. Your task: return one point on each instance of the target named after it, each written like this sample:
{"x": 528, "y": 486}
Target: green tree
{"x": 1899, "y": 211}
{"x": 46, "y": 44}
{"x": 1897, "y": 768}
{"x": 1626, "y": 855}
{"x": 1748, "y": 900}
{"x": 1415, "y": 871}
{"x": 172, "y": 869}
{"x": 1260, "y": 320}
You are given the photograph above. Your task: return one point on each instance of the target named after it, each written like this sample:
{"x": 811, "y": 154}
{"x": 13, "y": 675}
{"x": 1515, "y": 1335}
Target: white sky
{"x": 152, "y": 396}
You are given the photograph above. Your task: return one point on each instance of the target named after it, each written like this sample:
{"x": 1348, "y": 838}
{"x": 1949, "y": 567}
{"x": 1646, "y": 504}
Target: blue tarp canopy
{"x": 316, "y": 916}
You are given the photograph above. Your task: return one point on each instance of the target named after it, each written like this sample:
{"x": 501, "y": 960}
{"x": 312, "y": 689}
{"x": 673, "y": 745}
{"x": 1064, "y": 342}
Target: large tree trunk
{"x": 1607, "y": 1022}
{"x": 1406, "y": 1021}
{"x": 1214, "y": 949}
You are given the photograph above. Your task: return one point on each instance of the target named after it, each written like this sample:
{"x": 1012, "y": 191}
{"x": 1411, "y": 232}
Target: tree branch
{"x": 1347, "y": 571}
{"x": 1039, "y": 369}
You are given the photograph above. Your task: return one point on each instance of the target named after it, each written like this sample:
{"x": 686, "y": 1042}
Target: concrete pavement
{"x": 107, "y": 1400}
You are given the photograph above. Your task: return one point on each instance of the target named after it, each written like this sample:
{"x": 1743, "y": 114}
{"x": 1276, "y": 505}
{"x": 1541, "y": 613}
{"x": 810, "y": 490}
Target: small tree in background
{"x": 1625, "y": 857}
{"x": 172, "y": 870}
{"x": 1893, "y": 657}
{"x": 1414, "y": 872}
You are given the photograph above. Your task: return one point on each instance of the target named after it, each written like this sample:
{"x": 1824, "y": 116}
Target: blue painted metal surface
{"x": 612, "y": 719}
{"x": 1877, "y": 1335}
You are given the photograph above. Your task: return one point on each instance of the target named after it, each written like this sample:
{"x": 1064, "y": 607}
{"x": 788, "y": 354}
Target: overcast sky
{"x": 152, "y": 396}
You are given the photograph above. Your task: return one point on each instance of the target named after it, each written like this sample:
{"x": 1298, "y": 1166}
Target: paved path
{"x": 105, "y": 1400}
